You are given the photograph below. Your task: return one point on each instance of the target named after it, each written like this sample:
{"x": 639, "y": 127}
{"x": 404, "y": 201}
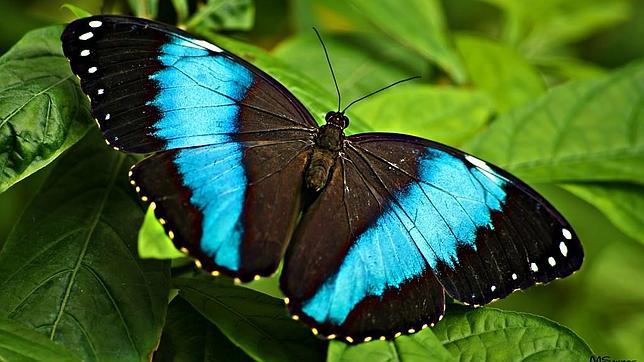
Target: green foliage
{"x": 71, "y": 265}
{"x": 255, "y": 322}
{"x": 541, "y": 26}
{"x": 565, "y": 135}
{"x": 530, "y": 86}
{"x": 153, "y": 242}
{"x": 471, "y": 333}
{"x": 364, "y": 62}
{"x": 19, "y": 343}
{"x": 444, "y": 114}
{"x": 77, "y": 11}
{"x": 188, "y": 336}
{"x": 145, "y": 8}
{"x": 40, "y": 115}
{"x": 467, "y": 334}
{"x": 425, "y": 33}
{"x": 623, "y": 203}
{"x": 500, "y": 71}
{"x": 223, "y": 15}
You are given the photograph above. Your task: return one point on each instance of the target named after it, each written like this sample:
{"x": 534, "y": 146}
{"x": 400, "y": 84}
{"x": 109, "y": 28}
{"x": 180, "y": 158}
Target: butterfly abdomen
{"x": 319, "y": 169}
{"x": 328, "y": 144}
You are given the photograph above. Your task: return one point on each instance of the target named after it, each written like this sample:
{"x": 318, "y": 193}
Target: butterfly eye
{"x": 328, "y": 115}
{"x": 345, "y": 122}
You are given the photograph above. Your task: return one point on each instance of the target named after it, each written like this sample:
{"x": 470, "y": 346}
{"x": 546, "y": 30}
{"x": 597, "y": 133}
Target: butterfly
{"x": 373, "y": 229}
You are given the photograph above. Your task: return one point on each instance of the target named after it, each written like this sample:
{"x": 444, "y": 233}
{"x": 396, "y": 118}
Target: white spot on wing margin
{"x": 566, "y": 233}
{"x": 86, "y": 36}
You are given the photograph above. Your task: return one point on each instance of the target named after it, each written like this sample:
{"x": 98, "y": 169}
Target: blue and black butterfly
{"x": 373, "y": 228}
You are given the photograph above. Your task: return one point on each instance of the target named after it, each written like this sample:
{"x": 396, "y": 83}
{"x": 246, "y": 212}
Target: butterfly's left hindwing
{"x": 230, "y": 144}
{"x": 426, "y": 213}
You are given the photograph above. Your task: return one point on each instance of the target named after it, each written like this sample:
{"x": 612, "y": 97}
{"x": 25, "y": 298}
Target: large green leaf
{"x": 418, "y": 25}
{"x": 443, "y": 114}
{"x": 496, "y": 335}
{"x": 42, "y": 110}
{"x": 500, "y": 71}
{"x": 223, "y": 15}
{"x": 584, "y": 130}
{"x": 188, "y": 336}
{"x": 480, "y": 334}
{"x": 422, "y": 346}
{"x": 623, "y": 204}
{"x": 69, "y": 268}
{"x": 19, "y": 343}
{"x": 362, "y": 62}
{"x": 256, "y": 322}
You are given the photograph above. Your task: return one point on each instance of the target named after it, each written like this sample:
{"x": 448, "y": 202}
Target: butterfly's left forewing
{"x": 229, "y": 143}
{"x": 422, "y": 214}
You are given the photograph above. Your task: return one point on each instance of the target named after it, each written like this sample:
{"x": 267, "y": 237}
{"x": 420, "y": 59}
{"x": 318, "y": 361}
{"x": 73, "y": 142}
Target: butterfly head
{"x": 337, "y": 119}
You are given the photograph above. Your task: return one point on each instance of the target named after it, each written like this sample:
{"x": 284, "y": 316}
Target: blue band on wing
{"x": 198, "y": 95}
{"x": 215, "y": 175}
{"x": 424, "y": 225}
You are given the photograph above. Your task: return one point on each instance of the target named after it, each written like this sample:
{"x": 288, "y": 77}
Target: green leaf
{"x": 188, "y": 336}
{"x": 182, "y": 10}
{"x": 422, "y": 346}
{"x": 443, "y": 114}
{"x": 362, "y": 62}
{"x": 69, "y": 268}
{"x": 568, "y": 68}
{"x": 145, "y": 8}
{"x": 500, "y": 335}
{"x": 270, "y": 285}
{"x": 223, "y": 15}
{"x": 580, "y": 131}
{"x": 466, "y": 334}
{"x": 18, "y": 343}
{"x": 77, "y": 11}
{"x": 42, "y": 110}
{"x": 255, "y": 322}
{"x": 622, "y": 203}
{"x": 541, "y": 26}
{"x": 418, "y": 25}
{"x": 153, "y": 241}
{"x": 500, "y": 71}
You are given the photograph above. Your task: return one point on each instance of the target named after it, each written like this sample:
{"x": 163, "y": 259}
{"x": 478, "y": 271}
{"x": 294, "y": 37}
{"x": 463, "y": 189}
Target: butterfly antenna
{"x": 379, "y": 90}
{"x": 326, "y": 53}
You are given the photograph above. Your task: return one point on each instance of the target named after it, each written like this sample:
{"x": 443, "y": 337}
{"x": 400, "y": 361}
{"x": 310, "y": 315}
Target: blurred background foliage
{"x": 481, "y": 61}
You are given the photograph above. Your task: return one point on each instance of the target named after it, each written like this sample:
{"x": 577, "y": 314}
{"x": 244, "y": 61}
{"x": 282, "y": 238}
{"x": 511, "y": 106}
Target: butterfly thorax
{"x": 328, "y": 144}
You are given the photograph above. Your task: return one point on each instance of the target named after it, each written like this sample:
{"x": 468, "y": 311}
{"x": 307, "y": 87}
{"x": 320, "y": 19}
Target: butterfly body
{"x": 328, "y": 144}
{"x": 373, "y": 228}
